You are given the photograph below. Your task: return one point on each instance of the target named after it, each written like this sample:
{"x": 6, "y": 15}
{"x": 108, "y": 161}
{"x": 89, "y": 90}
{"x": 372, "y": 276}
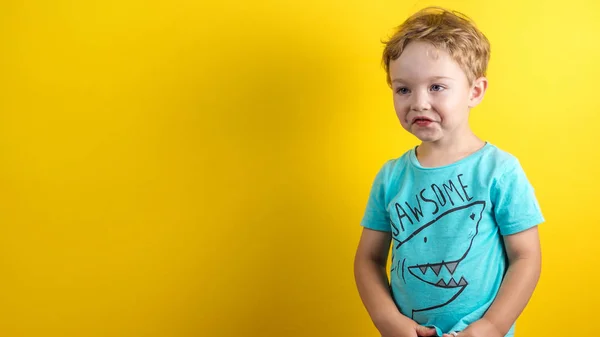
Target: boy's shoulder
{"x": 398, "y": 163}
{"x": 500, "y": 159}
{"x": 499, "y": 155}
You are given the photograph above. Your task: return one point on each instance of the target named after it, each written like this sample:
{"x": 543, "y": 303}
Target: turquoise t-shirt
{"x": 447, "y": 223}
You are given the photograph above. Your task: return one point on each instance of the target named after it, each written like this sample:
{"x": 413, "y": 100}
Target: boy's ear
{"x": 477, "y": 91}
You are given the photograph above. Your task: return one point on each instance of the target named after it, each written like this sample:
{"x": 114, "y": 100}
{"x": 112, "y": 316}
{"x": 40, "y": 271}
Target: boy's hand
{"x": 480, "y": 328}
{"x": 423, "y": 331}
{"x": 412, "y": 329}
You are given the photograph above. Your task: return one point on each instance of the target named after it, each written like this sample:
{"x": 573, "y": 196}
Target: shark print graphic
{"x": 428, "y": 260}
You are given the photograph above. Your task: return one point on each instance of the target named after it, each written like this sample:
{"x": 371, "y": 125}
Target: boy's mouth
{"x": 422, "y": 121}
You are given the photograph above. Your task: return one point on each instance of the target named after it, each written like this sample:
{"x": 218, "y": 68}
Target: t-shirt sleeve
{"x": 516, "y": 207}
{"x": 376, "y": 216}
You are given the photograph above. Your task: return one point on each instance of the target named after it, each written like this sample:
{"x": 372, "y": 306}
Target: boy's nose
{"x": 420, "y": 102}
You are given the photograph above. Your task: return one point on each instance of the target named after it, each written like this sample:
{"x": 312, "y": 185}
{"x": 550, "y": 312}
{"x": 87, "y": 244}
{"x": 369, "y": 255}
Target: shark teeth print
{"x": 452, "y": 283}
{"x": 437, "y": 267}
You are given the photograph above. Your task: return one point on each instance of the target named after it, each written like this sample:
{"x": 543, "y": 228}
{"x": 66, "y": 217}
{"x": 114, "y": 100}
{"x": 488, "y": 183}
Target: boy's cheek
{"x": 402, "y": 120}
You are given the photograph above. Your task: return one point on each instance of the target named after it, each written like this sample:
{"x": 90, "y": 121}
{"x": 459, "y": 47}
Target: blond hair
{"x": 450, "y": 31}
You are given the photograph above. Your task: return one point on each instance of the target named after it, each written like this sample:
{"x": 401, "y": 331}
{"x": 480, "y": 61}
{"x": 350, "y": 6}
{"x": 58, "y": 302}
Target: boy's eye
{"x": 402, "y": 91}
{"x": 437, "y": 87}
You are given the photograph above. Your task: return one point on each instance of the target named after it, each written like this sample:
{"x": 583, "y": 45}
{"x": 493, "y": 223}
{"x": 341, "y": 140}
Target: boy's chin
{"x": 429, "y": 135}
{"x": 428, "y": 138}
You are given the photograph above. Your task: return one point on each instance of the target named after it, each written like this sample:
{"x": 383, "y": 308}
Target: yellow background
{"x": 199, "y": 168}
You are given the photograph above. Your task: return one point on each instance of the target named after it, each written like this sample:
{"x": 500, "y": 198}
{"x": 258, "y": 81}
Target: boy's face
{"x": 432, "y": 95}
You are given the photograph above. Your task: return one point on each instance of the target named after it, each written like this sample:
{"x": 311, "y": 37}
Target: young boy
{"x": 459, "y": 213}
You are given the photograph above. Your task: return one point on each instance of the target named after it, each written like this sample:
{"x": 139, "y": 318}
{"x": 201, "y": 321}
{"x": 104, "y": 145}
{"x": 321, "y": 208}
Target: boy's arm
{"x": 524, "y": 255}
{"x": 373, "y": 287}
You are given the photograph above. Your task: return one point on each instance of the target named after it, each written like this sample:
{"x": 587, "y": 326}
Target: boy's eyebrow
{"x": 431, "y": 78}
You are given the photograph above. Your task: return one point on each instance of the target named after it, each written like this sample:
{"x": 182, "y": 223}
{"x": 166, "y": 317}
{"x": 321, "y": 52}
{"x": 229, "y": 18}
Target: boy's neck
{"x": 441, "y": 153}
